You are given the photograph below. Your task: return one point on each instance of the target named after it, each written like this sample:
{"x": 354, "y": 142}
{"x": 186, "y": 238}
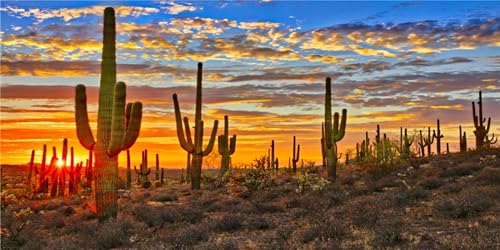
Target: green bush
{"x": 311, "y": 182}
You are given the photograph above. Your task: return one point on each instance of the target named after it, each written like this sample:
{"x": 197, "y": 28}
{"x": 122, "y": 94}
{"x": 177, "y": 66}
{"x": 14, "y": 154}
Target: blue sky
{"x": 392, "y": 63}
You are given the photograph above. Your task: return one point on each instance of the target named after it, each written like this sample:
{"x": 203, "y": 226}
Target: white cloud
{"x": 177, "y": 8}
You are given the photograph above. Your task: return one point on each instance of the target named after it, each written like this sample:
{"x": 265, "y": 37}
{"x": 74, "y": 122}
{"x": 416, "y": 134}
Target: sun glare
{"x": 59, "y": 163}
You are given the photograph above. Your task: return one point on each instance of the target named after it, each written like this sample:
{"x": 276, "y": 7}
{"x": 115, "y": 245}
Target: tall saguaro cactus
{"x": 295, "y": 155}
{"x": 195, "y": 148}
{"x": 334, "y": 131}
{"x": 227, "y": 147}
{"x": 117, "y": 129}
{"x": 481, "y": 131}
{"x": 438, "y": 137}
{"x": 430, "y": 139}
{"x": 463, "y": 140}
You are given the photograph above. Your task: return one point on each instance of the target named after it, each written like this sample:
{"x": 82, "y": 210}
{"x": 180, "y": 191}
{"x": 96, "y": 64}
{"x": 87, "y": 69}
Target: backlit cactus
{"x": 128, "y": 182}
{"x": 30, "y": 171}
{"x": 143, "y": 171}
{"x": 481, "y": 131}
{"x": 406, "y": 145}
{"x": 117, "y": 126}
{"x": 438, "y": 137}
{"x": 194, "y": 148}
{"x": 295, "y": 155}
{"x": 334, "y": 131}
{"x": 157, "y": 169}
{"x": 227, "y": 147}
{"x": 462, "y": 140}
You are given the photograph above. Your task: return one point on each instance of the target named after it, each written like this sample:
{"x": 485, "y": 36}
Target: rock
{"x": 426, "y": 165}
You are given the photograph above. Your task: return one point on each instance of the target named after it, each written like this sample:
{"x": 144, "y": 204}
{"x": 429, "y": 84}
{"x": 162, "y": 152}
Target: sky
{"x": 265, "y": 63}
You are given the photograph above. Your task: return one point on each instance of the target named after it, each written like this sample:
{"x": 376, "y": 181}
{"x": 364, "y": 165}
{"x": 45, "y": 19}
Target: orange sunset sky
{"x": 393, "y": 64}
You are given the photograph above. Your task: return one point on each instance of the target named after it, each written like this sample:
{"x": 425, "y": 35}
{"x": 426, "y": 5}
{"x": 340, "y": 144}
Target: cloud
{"x": 68, "y": 14}
{"x": 177, "y": 8}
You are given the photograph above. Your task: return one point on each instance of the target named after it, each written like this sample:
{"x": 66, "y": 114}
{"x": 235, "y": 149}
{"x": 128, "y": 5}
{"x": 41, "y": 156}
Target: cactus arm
{"x": 188, "y": 131}
{"x": 180, "y": 130}
{"x": 474, "y": 116}
{"x": 488, "y": 126}
{"x": 117, "y": 120}
{"x": 148, "y": 171}
{"x": 221, "y": 145}
{"x": 134, "y": 126}
{"x": 232, "y": 145}
{"x": 212, "y": 139}
{"x": 341, "y": 131}
{"x": 83, "y": 130}
{"x": 128, "y": 110}
{"x": 136, "y": 171}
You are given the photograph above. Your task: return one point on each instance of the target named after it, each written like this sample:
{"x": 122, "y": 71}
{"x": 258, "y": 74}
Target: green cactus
{"x": 463, "y": 140}
{"x": 405, "y": 153}
{"x": 227, "y": 147}
{"x": 196, "y": 148}
{"x": 323, "y": 156}
{"x": 128, "y": 183}
{"x": 115, "y": 132}
{"x": 157, "y": 172}
{"x": 29, "y": 186}
{"x": 334, "y": 132}
{"x": 143, "y": 171}
{"x": 295, "y": 155}
{"x": 438, "y": 137}
{"x": 481, "y": 132}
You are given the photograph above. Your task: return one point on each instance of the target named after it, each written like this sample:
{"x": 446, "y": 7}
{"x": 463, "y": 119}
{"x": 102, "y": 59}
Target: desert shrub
{"x": 462, "y": 169}
{"x": 488, "y": 160}
{"x": 405, "y": 197}
{"x": 387, "y": 233}
{"x": 348, "y": 180}
{"x": 309, "y": 168}
{"x": 376, "y": 171}
{"x": 228, "y": 223}
{"x": 263, "y": 208}
{"x": 121, "y": 184}
{"x": 468, "y": 203}
{"x": 53, "y": 220}
{"x": 67, "y": 211}
{"x": 14, "y": 223}
{"x": 249, "y": 180}
{"x": 113, "y": 233}
{"x": 431, "y": 183}
{"x": 164, "y": 197}
{"x": 256, "y": 223}
{"x": 327, "y": 229}
{"x": 310, "y": 181}
{"x": 159, "y": 217}
{"x": 379, "y": 184}
{"x": 366, "y": 212}
{"x": 489, "y": 176}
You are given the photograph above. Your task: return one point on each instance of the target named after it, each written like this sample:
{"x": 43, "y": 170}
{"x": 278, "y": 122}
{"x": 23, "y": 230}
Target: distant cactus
{"x": 62, "y": 172}
{"x": 406, "y": 150}
{"x": 227, "y": 147}
{"x": 143, "y": 171}
{"x": 117, "y": 127}
{"x": 334, "y": 132}
{"x": 55, "y": 174}
{"x": 463, "y": 140}
{"x": 276, "y": 164}
{"x": 438, "y": 137}
{"x": 30, "y": 172}
{"x": 447, "y": 148}
{"x": 43, "y": 173}
{"x": 162, "y": 182}
{"x": 128, "y": 183}
{"x": 295, "y": 155}
{"x": 323, "y": 156}
{"x": 185, "y": 140}
{"x": 430, "y": 139}
{"x": 71, "y": 172}
{"x": 481, "y": 131}
{"x": 272, "y": 159}
{"x": 157, "y": 172}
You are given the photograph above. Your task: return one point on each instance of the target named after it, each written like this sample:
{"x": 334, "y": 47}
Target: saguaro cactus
{"x": 421, "y": 144}
{"x": 62, "y": 172}
{"x": 227, "y": 147}
{"x": 438, "y": 137}
{"x": 43, "y": 173}
{"x": 429, "y": 140}
{"x": 157, "y": 172}
{"x": 71, "y": 172}
{"x": 481, "y": 131}
{"x": 406, "y": 146}
{"x": 185, "y": 140}
{"x": 272, "y": 159}
{"x": 30, "y": 171}
{"x": 115, "y": 132}
{"x": 128, "y": 184}
{"x": 295, "y": 155}
{"x": 334, "y": 132}
{"x": 463, "y": 140}
{"x": 143, "y": 171}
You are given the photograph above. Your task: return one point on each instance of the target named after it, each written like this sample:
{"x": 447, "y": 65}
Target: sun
{"x": 59, "y": 163}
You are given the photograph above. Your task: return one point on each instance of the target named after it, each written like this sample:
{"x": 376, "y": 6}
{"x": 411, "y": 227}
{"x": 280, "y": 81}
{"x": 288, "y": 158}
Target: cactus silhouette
{"x": 438, "y": 137}
{"x": 194, "y": 148}
{"x": 334, "y": 132}
{"x": 143, "y": 171}
{"x": 157, "y": 170}
{"x": 463, "y": 140}
{"x": 481, "y": 131}
{"x": 128, "y": 183}
{"x": 30, "y": 172}
{"x": 405, "y": 153}
{"x": 227, "y": 147}
{"x": 295, "y": 155}
{"x": 117, "y": 127}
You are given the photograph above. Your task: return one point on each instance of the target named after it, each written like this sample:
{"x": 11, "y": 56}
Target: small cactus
{"x": 295, "y": 155}
{"x": 463, "y": 140}
{"x": 227, "y": 147}
{"x": 481, "y": 131}
{"x": 438, "y": 137}
{"x": 143, "y": 171}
